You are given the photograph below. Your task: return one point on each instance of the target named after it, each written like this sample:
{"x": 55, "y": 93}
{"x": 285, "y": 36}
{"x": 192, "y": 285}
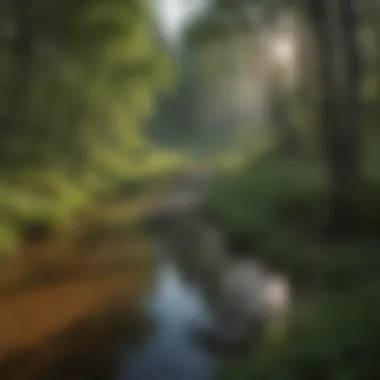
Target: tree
{"x": 78, "y": 80}
{"x": 339, "y": 105}
{"x": 233, "y": 33}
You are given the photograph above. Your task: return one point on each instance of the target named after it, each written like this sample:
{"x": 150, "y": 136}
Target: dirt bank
{"x": 67, "y": 303}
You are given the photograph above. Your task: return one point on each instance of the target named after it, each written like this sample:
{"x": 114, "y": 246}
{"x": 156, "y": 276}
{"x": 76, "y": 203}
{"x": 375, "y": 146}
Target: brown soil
{"x": 67, "y": 303}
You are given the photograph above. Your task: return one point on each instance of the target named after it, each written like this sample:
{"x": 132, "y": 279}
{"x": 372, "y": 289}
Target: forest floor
{"x": 72, "y": 298}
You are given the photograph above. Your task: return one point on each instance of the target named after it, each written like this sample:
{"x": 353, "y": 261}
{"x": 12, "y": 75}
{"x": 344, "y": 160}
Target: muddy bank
{"x": 87, "y": 350}
{"x": 69, "y": 302}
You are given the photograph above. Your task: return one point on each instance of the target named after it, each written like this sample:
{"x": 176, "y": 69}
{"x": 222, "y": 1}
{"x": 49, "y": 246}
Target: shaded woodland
{"x": 280, "y": 98}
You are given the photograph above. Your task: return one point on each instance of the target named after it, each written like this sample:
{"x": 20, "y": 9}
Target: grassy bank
{"x": 271, "y": 209}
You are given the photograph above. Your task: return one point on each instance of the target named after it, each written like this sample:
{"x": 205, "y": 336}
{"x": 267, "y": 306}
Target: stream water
{"x": 176, "y": 309}
{"x": 170, "y": 353}
{"x": 179, "y": 309}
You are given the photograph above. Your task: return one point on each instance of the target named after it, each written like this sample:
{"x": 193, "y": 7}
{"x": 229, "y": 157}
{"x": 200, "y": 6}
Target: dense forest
{"x": 93, "y": 107}
{"x": 308, "y": 204}
{"x": 78, "y": 81}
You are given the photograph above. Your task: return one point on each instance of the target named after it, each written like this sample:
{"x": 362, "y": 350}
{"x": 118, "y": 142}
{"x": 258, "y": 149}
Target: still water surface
{"x": 169, "y": 353}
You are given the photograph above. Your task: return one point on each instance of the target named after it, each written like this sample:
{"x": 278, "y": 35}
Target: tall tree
{"x": 339, "y": 105}
{"x": 78, "y": 79}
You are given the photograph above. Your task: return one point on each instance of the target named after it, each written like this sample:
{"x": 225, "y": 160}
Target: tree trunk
{"x": 350, "y": 98}
{"x": 338, "y": 124}
{"x": 22, "y": 50}
{"x": 288, "y": 139}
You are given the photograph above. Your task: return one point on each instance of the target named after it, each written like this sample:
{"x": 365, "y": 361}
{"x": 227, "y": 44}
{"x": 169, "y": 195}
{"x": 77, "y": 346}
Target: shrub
{"x": 338, "y": 338}
{"x": 270, "y": 210}
{"x": 9, "y": 239}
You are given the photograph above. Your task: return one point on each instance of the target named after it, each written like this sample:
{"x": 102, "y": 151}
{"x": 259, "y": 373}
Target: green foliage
{"x": 254, "y": 204}
{"x": 271, "y": 209}
{"x": 78, "y": 80}
{"x": 9, "y": 239}
{"x": 336, "y": 338}
{"x": 213, "y": 27}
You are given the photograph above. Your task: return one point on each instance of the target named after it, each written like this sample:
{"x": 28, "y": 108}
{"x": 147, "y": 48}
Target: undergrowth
{"x": 270, "y": 210}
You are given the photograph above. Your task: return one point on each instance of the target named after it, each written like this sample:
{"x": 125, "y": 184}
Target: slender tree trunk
{"x": 288, "y": 140}
{"x": 350, "y": 106}
{"x": 345, "y": 186}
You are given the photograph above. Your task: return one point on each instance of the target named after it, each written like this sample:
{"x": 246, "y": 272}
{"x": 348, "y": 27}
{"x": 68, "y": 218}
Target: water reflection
{"x": 169, "y": 354}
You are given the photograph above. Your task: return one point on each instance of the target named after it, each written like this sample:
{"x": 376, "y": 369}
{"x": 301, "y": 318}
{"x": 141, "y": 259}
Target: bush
{"x": 270, "y": 209}
{"x": 9, "y": 239}
{"x": 338, "y": 338}
{"x": 35, "y": 204}
{"x": 260, "y": 206}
